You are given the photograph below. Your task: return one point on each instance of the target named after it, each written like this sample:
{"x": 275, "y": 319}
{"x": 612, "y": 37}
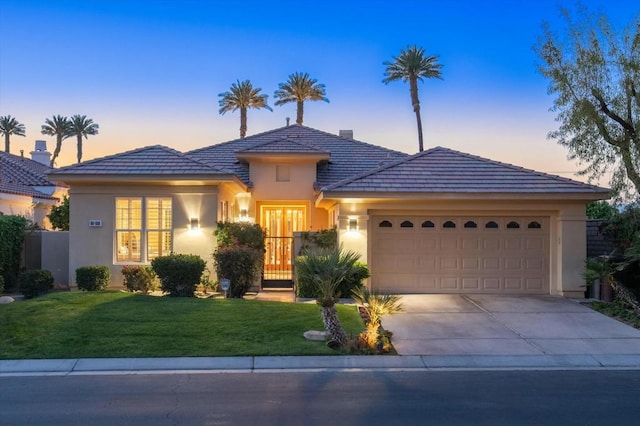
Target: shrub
{"x": 12, "y": 230}
{"x": 59, "y": 215}
{"x": 179, "y": 273}
{"x": 240, "y": 264}
{"x": 93, "y": 278}
{"x": 351, "y": 282}
{"x": 35, "y": 282}
{"x": 1, "y": 284}
{"x": 140, "y": 278}
{"x": 240, "y": 233}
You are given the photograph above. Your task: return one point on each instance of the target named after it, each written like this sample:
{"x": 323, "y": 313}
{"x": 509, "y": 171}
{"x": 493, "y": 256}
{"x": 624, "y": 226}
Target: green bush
{"x": 140, "y": 278}
{"x": 35, "y": 282}
{"x": 240, "y": 234}
{"x": 179, "y": 273}
{"x": 1, "y": 284}
{"x": 59, "y": 215}
{"x": 352, "y": 281}
{"x": 93, "y": 278}
{"x": 240, "y": 264}
{"x": 12, "y": 230}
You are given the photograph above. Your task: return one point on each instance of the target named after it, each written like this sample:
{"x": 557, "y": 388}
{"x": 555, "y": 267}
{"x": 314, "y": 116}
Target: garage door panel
{"x": 437, "y": 259}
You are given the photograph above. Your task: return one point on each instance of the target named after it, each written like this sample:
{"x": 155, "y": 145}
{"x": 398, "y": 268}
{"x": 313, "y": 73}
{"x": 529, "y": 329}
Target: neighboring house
{"x": 25, "y": 189}
{"x": 439, "y": 221}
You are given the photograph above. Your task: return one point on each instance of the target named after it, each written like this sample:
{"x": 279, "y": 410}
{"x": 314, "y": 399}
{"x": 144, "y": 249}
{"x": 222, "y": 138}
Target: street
{"x": 320, "y": 398}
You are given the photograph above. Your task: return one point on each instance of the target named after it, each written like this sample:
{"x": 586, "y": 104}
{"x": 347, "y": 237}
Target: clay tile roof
{"x": 284, "y": 145}
{"x": 150, "y": 160}
{"x": 22, "y": 176}
{"x": 440, "y": 170}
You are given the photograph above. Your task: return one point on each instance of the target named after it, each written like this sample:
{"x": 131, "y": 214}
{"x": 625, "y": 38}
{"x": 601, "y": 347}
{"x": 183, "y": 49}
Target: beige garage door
{"x": 454, "y": 254}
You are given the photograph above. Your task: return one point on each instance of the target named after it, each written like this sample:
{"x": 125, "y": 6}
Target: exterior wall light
{"x": 194, "y": 224}
{"x": 353, "y": 225}
{"x": 244, "y": 214}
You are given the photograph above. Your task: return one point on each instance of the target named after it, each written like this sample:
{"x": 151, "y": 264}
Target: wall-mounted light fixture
{"x": 353, "y": 225}
{"x": 244, "y": 214}
{"x": 194, "y": 224}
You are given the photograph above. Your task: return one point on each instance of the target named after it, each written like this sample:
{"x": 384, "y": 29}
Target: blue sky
{"x": 149, "y": 72}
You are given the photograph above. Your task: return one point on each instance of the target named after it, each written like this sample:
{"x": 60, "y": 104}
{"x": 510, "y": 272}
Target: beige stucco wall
{"x": 567, "y": 234}
{"x": 95, "y": 246}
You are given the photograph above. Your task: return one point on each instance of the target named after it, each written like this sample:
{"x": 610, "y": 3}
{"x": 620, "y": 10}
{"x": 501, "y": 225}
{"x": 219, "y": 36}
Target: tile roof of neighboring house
{"x": 440, "y": 170}
{"x": 348, "y": 156}
{"x": 150, "y": 160}
{"x": 22, "y": 176}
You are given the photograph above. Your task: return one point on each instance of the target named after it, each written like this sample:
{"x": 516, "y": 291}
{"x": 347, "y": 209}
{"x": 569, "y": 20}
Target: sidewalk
{"x": 89, "y": 366}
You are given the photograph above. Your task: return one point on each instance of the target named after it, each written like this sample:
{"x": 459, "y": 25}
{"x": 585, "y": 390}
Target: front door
{"x": 280, "y": 222}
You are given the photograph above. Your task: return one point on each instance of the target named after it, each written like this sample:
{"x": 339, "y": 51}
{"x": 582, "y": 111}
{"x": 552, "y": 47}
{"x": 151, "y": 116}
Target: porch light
{"x": 194, "y": 224}
{"x": 244, "y": 214}
{"x": 353, "y": 225}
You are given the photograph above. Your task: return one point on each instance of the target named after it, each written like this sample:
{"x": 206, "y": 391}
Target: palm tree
{"x": 327, "y": 269}
{"x": 300, "y": 88}
{"x": 57, "y": 126}
{"x": 10, "y": 126}
{"x": 412, "y": 65}
{"x": 81, "y": 126}
{"x": 242, "y": 96}
{"x": 376, "y": 305}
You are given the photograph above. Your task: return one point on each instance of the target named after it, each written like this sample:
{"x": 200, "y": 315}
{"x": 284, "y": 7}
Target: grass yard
{"x": 119, "y": 325}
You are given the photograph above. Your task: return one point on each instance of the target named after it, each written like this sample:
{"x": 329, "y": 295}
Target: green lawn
{"x": 116, "y": 324}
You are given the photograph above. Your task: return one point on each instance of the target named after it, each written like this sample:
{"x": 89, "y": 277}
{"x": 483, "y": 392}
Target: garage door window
{"x": 427, "y": 224}
{"x": 534, "y": 225}
{"x": 406, "y": 224}
{"x": 470, "y": 224}
{"x": 448, "y": 224}
{"x": 491, "y": 225}
{"x": 385, "y": 224}
{"x": 513, "y": 225}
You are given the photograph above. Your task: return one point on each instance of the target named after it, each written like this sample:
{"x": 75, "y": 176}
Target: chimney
{"x": 346, "y": 134}
{"x": 40, "y": 153}
{"x": 287, "y": 118}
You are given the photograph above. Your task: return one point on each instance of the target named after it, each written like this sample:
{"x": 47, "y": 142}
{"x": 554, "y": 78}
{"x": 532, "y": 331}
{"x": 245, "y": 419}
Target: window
{"x": 470, "y": 224}
{"x": 427, "y": 224}
{"x": 157, "y": 229}
{"x": 385, "y": 224}
{"x": 406, "y": 224}
{"x": 534, "y": 225}
{"x": 491, "y": 225}
{"x": 448, "y": 224}
{"x": 513, "y": 225}
{"x": 283, "y": 173}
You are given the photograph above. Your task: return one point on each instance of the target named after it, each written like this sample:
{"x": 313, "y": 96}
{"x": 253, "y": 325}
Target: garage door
{"x": 454, "y": 254}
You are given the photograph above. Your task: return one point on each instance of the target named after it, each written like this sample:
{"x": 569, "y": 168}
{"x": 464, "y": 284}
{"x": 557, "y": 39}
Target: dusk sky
{"x": 149, "y": 72}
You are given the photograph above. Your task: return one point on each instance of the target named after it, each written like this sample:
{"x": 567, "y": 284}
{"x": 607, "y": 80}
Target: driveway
{"x": 506, "y": 325}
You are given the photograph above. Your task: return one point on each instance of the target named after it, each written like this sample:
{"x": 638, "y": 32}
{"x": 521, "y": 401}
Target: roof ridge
{"x": 286, "y": 138}
{"x": 239, "y": 139}
{"x": 108, "y": 157}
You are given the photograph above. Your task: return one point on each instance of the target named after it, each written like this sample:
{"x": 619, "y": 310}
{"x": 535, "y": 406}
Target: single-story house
{"x": 25, "y": 189}
{"x": 440, "y": 221}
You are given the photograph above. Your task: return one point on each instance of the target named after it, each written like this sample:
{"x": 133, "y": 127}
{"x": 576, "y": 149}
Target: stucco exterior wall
{"x": 567, "y": 237}
{"x": 95, "y": 245}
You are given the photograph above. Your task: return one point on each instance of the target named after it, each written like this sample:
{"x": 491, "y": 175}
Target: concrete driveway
{"x": 506, "y": 325}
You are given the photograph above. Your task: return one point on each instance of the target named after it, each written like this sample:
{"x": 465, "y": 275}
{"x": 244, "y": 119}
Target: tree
{"x": 80, "y": 126}
{"x": 59, "y": 215}
{"x": 59, "y": 127}
{"x": 10, "y": 126}
{"x": 300, "y": 88}
{"x": 412, "y": 65}
{"x": 242, "y": 95}
{"x": 594, "y": 72}
{"x": 327, "y": 269}
{"x": 600, "y": 210}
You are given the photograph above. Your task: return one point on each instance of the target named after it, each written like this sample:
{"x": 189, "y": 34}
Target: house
{"x": 440, "y": 221}
{"x": 25, "y": 189}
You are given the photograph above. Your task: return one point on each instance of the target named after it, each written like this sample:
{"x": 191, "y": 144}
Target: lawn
{"x": 119, "y": 325}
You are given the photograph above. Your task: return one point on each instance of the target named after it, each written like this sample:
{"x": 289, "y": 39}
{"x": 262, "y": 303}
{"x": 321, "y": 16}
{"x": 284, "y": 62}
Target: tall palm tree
{"x": 81, "y": 126}
{"x": 10, "y": 126}
{"x": 327, "y": 269}
{"x": 412, "y": 65}
{"x": 57, "y": 126}
{"x": 300, "y": 88}
{"x": 242, "y": 95}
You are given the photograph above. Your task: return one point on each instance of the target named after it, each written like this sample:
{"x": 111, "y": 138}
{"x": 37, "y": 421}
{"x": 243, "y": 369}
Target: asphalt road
{"x": 327, "y": 398}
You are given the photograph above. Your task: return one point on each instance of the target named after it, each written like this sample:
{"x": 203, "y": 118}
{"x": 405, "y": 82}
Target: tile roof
{"x": 21, "y": 176}
{"x": 443, "y": 170}
{"x": 284, "y": 145}
{"x": 349, "y": 157}
{"x": 150, "y": 160}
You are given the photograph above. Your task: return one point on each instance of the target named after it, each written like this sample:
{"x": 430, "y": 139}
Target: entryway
{"x": 280, "y": 222}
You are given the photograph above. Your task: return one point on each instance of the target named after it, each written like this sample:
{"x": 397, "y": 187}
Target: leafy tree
{"x": 300, "y": 88}
{"x": 10, "y": 126}
{"x": 59, "y": 215}
{"x": 242, "y": 96}
{"x": 594, "y": 72}
{"x": 600, "y": 210}
{"x": 79, "y": 126}
{"x": 59, "y": 127}
{"x": 413, "y": 65}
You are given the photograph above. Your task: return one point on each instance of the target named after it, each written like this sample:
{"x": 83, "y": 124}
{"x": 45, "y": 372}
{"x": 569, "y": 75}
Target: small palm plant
{"x": 326, "y": 269}
{"x": 376, "y": 305}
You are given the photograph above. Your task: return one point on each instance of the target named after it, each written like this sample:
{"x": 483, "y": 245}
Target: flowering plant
{"x": 139, "y": 278}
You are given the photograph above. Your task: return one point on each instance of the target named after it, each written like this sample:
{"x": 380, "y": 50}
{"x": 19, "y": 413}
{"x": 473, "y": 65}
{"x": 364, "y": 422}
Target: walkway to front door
{"x": 280, "y": 222}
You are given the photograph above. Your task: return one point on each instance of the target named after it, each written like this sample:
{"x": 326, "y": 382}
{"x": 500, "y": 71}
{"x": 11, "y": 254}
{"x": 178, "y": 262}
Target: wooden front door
{"x": 280, "y": 222}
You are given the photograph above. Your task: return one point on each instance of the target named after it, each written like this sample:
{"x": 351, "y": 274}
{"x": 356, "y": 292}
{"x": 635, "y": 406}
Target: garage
{"x": 459, "y": 254}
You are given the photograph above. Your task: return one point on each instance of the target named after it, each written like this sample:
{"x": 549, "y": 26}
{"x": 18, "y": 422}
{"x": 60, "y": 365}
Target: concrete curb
{"x": 314, "y": 363}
